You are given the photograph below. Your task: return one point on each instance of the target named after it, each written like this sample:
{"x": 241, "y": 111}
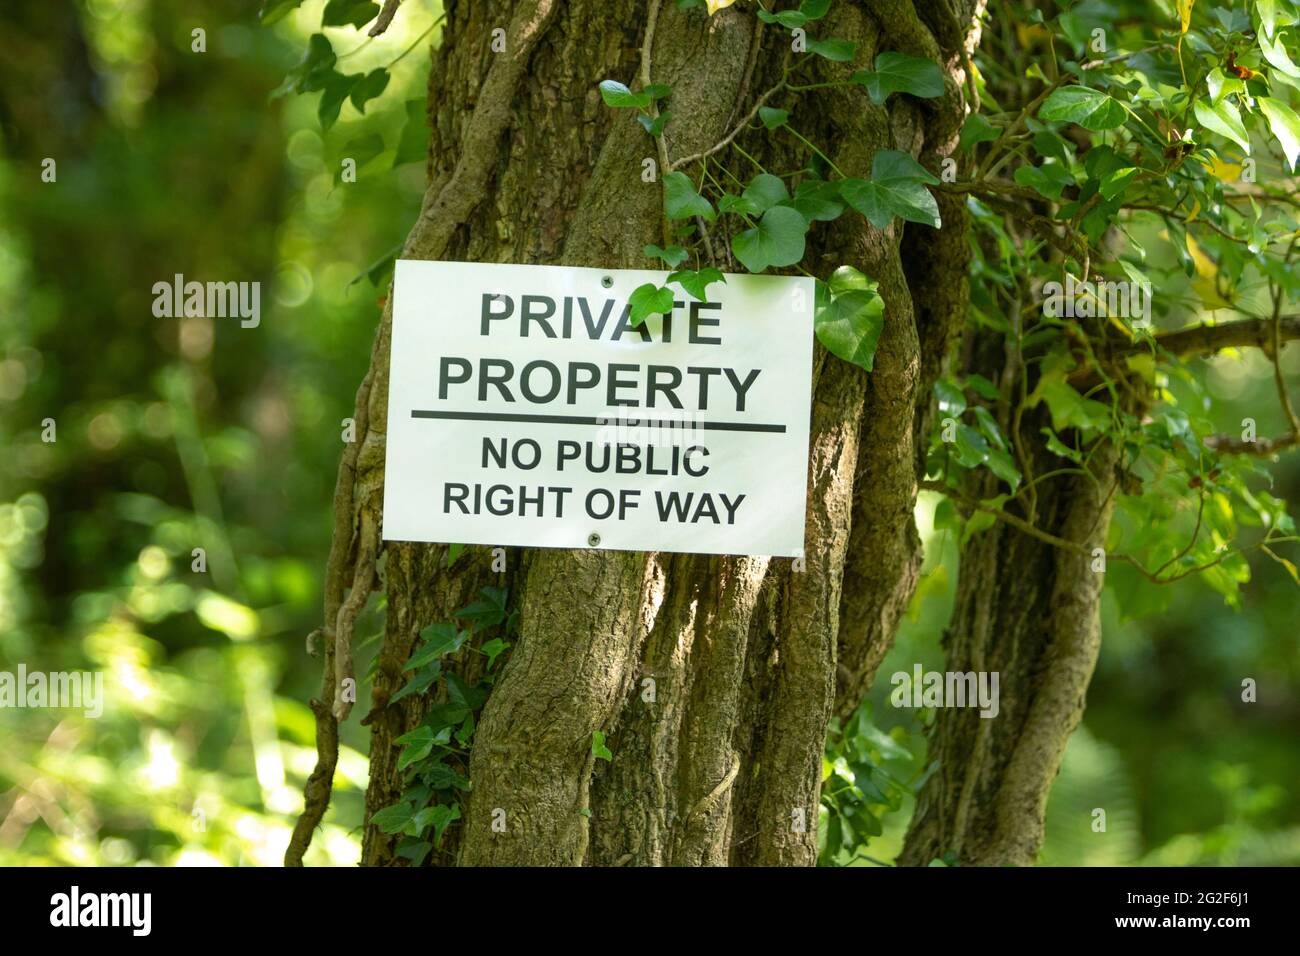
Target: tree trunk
{"x": 714, "y": 678}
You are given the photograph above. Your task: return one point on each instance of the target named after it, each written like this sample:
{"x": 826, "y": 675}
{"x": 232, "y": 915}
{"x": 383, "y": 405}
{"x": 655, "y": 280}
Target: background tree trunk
{"x": 749, "y": 657}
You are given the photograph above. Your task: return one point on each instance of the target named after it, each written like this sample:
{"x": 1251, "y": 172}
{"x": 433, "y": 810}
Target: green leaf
{"x": 488, "y": 611}
{"x": 313, "y": 72}
{"x": 765, "y": 191}
{"x": 368, "y": 87}
{"x": 1277, "y": 56}
{"x": 983, "y": 387}
{"x": 418, "y": 744}
{"x": 818, "y": 200}
{"x": 673, "y": 255}
{"x": 977, "y": 129}
{"x": 493, "y": 649}
{"x": 814, "y": 9}
{"x": 772, "y": 118}
{"x": 951, "y": 397}
{"x": 598, "y": 748}
{"x": 1285, "y": 126}
{"x": 777, "y": 240}
{"x": 439, "y": 817}
{"x": 649, "y": 299}
{"x": 792, "y": 19}
{"x": 654, "y": 126}
{"x": 1117, "y": 182}
{"x": 849, "y": 317}
{"x": 393, "y": 819}
{"x": 421, "y": 682}
{"x": 337, "y": 89}
{"x": 838, "y": 51}
{"x": 697, "y": 282}
{"x": 413, "y": 147}
{"x": 617, "y": 95}
{"x": 681, "y": 201}
{"x": 900, "y": 73}
{"x": 1222, "y": 118}
{"x": 737, "y": 205}
{"x": 275, "y": 10}
{"x": 896, "y": 189}
{"x": 1084, "y": 107}
{"x": 342, "y": 13}
{"x": 892, "y": 164}
{"x": 1048, "y": 179}
{"x": 1059, "y": 448}
{"x": 439, "y": 639}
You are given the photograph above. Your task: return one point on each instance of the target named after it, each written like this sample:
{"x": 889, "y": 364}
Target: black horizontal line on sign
{"x": 593, "y": 420}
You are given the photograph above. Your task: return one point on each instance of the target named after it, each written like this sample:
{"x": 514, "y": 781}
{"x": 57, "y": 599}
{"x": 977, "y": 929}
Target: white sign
{"x": 524, "y": 408}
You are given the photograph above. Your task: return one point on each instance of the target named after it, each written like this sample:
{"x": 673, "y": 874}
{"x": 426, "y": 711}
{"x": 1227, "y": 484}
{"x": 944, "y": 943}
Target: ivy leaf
{"x": 341, "y": 13}
{"x": 977, "y": 129}
{"x": 900, "y": 73}
{"x": 772, "y": 118}
{"x": 818, "y": 200}
{"x": 837, "y": 51}
{"x": 1059, "y": 448}
{"x": 849, "y": 316}
{"x": 891, "y": 164}
{"x": 439, "y": 817}
{"x": 393, "y": 819}
{"x": 493, "y": 649}
{"x": 368, "y": 87}
{"x": 275, "y": 10}
{"x": 1222, "y": 118}
{"x": 421, "y": 682}
{"x": 951, "y": 397}
{"x": 765, "y": 191}
{"x": 673, "y": 255}
{"x": 896, "y": 188}
{"x": 337, "y": 89}
{"x": 681, "y": 201}
{"x": 777, "y": 240}
{"x": 1117, "y": 182}
{"x": 654, "y": 126}
{"x": 418, "y": 744}
{"x": 1091, "y": 109}
{"x": 598, "y": 748}
{"x": 649, "y": 299}
{"x": 617, "y": 95}
{"x": 313, "y": 70}
{"x": 1048, "y": 180}
{"x": 1285, "y": 125}
{"x": 697, "y": 282}
{"x": 488, "y": 611}
{"x": 738, "y": 205}
{"x": 439, "y": 639}
{"x": 791, "y": 19}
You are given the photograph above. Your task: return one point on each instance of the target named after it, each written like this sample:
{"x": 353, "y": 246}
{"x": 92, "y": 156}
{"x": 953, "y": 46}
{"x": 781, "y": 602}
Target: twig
{"x": 385, "y": 17}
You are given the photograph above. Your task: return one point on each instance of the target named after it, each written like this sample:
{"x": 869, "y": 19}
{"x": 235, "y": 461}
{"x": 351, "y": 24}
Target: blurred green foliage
{"x": 176, "y": 434}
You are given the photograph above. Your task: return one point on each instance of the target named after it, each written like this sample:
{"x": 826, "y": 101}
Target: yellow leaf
{"x": 1207, "y": 273}
{"x": 716, "y": 5}
{"x": 1185, "y": 14}
{"x": 1224, "y": 172}
{"x": 1031, "y": 35}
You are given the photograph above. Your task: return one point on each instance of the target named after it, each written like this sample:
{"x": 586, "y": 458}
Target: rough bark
{"x": 749, "y": 657}
{"x": 1030, "y": 611}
